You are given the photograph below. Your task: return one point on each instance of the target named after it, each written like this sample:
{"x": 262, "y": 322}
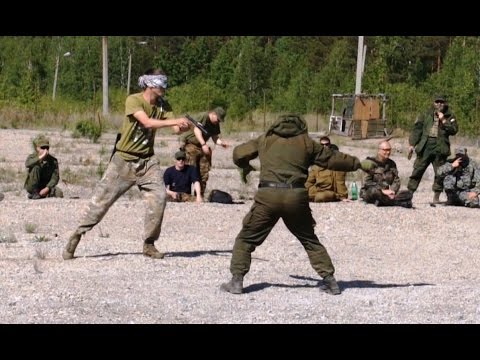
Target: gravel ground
{"x": 394, "y": 265}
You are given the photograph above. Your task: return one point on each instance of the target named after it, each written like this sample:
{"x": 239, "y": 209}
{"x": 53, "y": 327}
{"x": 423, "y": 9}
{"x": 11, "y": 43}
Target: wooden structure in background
{"x": 359, "y": 116}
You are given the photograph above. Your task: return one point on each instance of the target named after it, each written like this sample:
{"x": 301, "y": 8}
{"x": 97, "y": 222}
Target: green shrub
{"x": 88, "y": 129}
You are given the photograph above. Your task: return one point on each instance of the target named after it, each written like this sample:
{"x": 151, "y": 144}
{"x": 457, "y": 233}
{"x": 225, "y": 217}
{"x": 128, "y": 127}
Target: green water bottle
{"x": 354, "y": 191}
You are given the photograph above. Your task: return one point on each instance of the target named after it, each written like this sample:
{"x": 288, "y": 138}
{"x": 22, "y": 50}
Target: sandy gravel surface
{"x": 394, "y": 265}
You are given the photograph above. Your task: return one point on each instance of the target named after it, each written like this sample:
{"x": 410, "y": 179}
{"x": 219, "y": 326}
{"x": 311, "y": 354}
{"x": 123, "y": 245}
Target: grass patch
{"x": 30, "y": 228}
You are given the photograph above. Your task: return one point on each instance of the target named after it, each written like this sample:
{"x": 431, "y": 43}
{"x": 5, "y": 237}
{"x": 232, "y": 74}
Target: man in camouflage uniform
{"x": 198, "y": 152}
{"x": 382, "y": 184}
{"x": 461, "y": 180}
{"x": 133, "y": 163}
{"x": 285, "y": 151}
{"x": 430, "y": 139}
{"x": 43, "y": 171}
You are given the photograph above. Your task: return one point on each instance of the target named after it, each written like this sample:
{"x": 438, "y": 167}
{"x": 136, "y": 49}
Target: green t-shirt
{"x": 213, "y": 129}
{"x": 136, "y": 141}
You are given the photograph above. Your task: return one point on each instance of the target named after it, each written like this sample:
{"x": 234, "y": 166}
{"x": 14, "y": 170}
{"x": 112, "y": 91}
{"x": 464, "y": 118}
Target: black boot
{"x": 234, "y": 286}
{"x": 330, "y": 285}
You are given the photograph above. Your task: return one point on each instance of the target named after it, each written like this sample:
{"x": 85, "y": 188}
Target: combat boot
{"x": 234, "y": 286}
{"x": 330, "y": 285}
{"x": 151, "y": 251}
{"x": 71, "y": 246}
{"x": 436, "y": 197}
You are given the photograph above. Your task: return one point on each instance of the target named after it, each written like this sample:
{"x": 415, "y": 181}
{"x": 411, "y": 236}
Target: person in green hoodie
{"x": 285, "y": 151}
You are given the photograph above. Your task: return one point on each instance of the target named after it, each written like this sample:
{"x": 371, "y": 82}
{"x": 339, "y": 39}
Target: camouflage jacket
{"x": 384, "y": 176}
{"x": 421, "y": 130}
{"x": 460, "y": 178}
{"x": 286, "y": 151}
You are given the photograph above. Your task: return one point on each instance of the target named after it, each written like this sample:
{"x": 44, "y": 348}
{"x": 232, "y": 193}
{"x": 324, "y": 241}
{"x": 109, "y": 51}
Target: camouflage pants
{"x": 120, "y": 176}
{"x": 182, "y": 197}
{"x": 375, "y": 196}
{"x": 270, "y": 205}
{"x": 460, "y": 198}
{"x": 33, "y": 183}
{"x": 429, "y": 156}
{"x": 196, "y": 157}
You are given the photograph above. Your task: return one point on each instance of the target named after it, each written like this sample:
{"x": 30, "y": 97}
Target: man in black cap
{"x": 179, "y": 178}
{"x": 430, "y": 139}
{"x": 198, "y": 152}
{"x": 461, "y": 179}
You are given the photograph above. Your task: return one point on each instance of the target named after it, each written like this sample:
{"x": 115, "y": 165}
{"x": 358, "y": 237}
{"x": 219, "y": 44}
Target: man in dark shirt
{"x": 179, "y": 178}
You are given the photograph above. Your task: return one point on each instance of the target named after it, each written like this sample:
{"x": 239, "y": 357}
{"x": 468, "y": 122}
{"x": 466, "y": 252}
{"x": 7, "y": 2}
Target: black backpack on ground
{"x": 220, "y": 196}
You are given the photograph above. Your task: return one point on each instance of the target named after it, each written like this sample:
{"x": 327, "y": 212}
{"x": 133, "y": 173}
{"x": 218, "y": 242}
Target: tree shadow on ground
{"x": 362, "y": 284}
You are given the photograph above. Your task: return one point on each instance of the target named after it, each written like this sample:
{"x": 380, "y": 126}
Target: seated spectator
{"x": 382, "y": 184}
{"x": 324, "y": 185}
{"x": 179, "y": 178}
{"x": 43, "y": 172}
{"x": 461, "y": 180}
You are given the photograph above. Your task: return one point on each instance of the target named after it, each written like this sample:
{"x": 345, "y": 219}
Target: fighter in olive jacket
{"x": 285, "y": 151}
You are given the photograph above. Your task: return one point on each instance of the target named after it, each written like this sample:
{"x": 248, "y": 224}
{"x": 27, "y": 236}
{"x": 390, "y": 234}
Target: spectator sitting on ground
{"x": 325, "y": 185}
{"x": 43, "y": 172}
{"x": 179, "y": 178}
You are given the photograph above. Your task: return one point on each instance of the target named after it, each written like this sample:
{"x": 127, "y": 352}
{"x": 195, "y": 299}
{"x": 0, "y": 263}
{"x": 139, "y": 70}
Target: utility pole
{"x": 105, "y": 74}
{"x": 55, "y": 79}
{"x": 129, "y": 70}
{"x": 358, "y": 80}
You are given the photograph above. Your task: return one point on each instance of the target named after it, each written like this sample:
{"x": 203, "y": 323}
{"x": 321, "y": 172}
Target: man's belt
{"x": 279, "y": 185}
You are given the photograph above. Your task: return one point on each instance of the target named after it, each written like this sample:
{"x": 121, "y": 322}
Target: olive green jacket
{"x": 286, "y": 151}
{"x": 49, "y": 173}
{"x": 421, "y": 129}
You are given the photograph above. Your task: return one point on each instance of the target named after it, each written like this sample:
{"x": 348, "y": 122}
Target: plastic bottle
{"x": 354, "y": 191}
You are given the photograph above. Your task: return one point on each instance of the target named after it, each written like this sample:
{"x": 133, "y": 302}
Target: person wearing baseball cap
{"x": 43, "y": 171}
{"x": 198, "y": 152}
{"x": 461, "y": 179}
{"x": 430, "y": 138}
{"x": 179, "y": 179}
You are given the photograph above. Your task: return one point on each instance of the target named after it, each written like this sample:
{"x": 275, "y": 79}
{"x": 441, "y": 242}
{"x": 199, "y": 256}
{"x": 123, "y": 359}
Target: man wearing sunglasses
{"x": 43, "y": 173}
{"x": 430, "y": 139}
{"x": 179, "y": 178}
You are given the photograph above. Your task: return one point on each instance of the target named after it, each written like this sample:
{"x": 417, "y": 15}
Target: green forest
{"x": 245, "y": 74}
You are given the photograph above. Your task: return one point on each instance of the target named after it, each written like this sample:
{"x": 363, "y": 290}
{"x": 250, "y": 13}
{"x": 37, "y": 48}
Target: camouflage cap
{"x": 41, "y": 140}
{"x": 180, "y": 155}
{"x": 221, "y": 113}
{"x": 460, "y": 151}
{"x": 440, "y": 98}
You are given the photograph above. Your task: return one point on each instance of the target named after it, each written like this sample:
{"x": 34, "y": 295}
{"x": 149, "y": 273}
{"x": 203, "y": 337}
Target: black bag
{"x": 220, "y": 196}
